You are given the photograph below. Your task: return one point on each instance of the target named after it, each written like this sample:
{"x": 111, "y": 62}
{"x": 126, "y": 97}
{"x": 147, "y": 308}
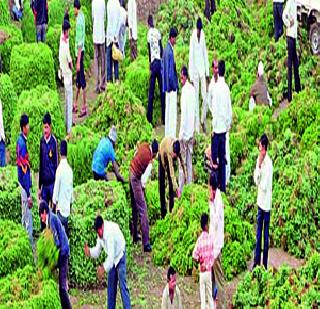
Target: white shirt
{"x": 63, "y": 188}
{"x": 188, "y": 105}
{"x": 64, "y": 57}
{"x": 98, "y": 17}
{"x": 2, "y": 136}
{"x": 278, "y": 1}
{"x": 153, "y": 38}
{"x": 122, "y": 29}
{"x": 145, "y": 176}
{"x": 17, "y": 3}
{"x": 166, "y": 301}
{"x": 132, "y": 19}
{"x": 263, "y": 179}
{"x": 198, "y": 56}
{"x": 113, "y": 21}
{"x": 290, "y": 14}
{"x": 220, "y": 106}
{"x": 216, "y": 228}
{"x": 113, "y": 244}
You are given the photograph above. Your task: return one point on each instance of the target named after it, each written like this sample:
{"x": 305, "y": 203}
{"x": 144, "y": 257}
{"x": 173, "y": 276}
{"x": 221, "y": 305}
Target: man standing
{"x": 2, "y": 140}
{"x": 48, "y": 161}
{"x": 63, "y": 188}
{"x": 51, "y": 221}
{"x": 199, "y": 70}
{"x": 99, "y": 38}
{"x": 220, "y": 107}
{"x": 188, "y": 102}
{"x": 40, "y": 11}
{"x": 133, "y": 28}
{"x": 277, "y": 18}
{"x": 170, "y": 85}
{"x": 169, "y": 151}
{"x": 110, "y": 238}
{"x": 24, "y": 176}
{"x": 263, "y": 179}
{"x": 122, "y": 28}
{"x": 80, "y": 41}
{"x": 155, "y": 55}
{"x": 290, "y": 20}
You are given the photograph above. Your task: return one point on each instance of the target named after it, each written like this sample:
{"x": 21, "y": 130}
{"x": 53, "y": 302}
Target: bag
{"x": 116, "y": 53}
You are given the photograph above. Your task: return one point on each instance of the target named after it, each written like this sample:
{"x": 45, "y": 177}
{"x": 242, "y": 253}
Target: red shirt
{"x": 141, "y": 160}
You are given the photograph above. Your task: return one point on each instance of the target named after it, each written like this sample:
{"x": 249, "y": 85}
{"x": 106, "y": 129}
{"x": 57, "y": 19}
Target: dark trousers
{"x": 263, "y": 222}
{"x": 99, "y": 177}
{"x": 64, "y": 222}
{"x": 46, "y": 195}
{"x": 112, "y": 66}
{"x": 63, "y": 275}
{"x": 41, "y": 33}
{"x": 218, "y": 152}
{"x": 277, "y": 19}
{"x": 292, "y": 61}
{"x": 162, "y": 186}
{"x": 2, "y": 153}
{"x": 155, "y": 75}
{"x": 210, "y": 8}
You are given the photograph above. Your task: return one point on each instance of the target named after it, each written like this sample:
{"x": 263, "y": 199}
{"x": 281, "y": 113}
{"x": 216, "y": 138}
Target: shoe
{"x": 147, "y": 248}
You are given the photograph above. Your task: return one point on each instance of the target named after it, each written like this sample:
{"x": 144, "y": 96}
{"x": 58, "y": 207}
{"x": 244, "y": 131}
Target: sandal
{"x": 74, "y": 109}
{"x": 84, "y": 112}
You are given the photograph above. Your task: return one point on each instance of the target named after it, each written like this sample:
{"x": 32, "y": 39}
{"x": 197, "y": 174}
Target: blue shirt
{"x": 102, "y": 156}
{"x": 169, "y": 72}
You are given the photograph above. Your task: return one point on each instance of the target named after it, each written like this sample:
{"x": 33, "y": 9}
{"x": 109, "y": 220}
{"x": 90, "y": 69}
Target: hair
{"x": 24, "y": 120}
{"x": 264, "y": 141}
{"x": 214, "y": 180}
{"x": 173, "y": 32}
{"x": 221, "y": 68}
{"x": 63, "y": 148}
{"x": 171, "y": 272}
{"x": 66, "y": 25}
{"x": 150, "y": 21}
{"x": 66, "y": 16}
{"x": 98, "y": 222}
{"x": 199, "y": 24}
{"x": 154, "y": 146}
{"x": 176, "y": 147}
{"x": 47, "y": 118}
{"x": 77, "y": 4}
{"x": 43, "y": 207}
{"x": 184, "y": 71}
{"x": 204, "y": 220}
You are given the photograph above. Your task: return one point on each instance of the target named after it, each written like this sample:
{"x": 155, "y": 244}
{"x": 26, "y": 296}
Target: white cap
{"x": 113, "y": 134}
{"x": 260, "y": 68}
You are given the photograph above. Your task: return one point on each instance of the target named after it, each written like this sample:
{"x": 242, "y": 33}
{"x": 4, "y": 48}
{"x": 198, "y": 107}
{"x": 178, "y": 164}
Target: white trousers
{"x": 206, "y": 289}
{"x": 171, "y": 114}
{"x": 186, "y": 148}
{"x": 202, "y": 81}
{"x": 69, "y": 99}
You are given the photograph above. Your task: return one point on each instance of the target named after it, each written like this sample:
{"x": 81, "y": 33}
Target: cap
{"x": 113, "y": 134}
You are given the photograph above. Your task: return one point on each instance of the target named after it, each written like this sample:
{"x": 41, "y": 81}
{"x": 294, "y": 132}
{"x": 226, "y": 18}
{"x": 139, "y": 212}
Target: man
{"x": 48, "y": 161}
{"x": 216, "y": 230}
{"x": 263, "y": 180}
{"x": 188, "y": 102}
{"x": 139, "y": 164}
{"x": 170, "y": 85}
{"x": 169, "y": 151}
{"x": 51, "y": 221}
{"x": 277, "y": 18}
{"x": 199, "y": 70}
{"x": 122, "y": 28}
{"x": 24, "y": 176}
{"x": 63, "y": 188}
{"x": 40, "y": 11}
{"x": 2, "y": 140}
{"x": 290, "y": 21}
{"x": 133, "y": 28}
{"x": 113, "y": 26}
{"x": 171, "y": 296}
{"x": 103, "y": 155}
{"x": 110, "y": 238}
{"x": 17, "y": 10}
{"x": 80, "y": 43}
{"x": 220, "y": 107}
{"x": 203, "y": 253}
{"x": 155, "y": 55}
{"x": 65, "y": 61}
{"x": 99, "y": 38}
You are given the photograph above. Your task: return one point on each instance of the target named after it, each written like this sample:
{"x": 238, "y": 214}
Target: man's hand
{"x": 215, "y": 166}
{"x": 100, "y": 272}
{"x": 202, "y": 268}
{"x": 30, "y": 203}
{"x": 86, "y": 250}
{"x": 39, "y": 194}
{"x": 178, "y": 193}
{"x": 291, "y": 22}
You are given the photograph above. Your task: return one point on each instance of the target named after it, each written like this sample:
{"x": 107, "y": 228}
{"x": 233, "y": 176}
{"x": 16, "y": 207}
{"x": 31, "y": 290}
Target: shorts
{"x": 81, "y": 79}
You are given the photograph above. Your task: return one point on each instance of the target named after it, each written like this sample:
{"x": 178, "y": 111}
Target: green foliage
{"x": 28, "y": 71}
{"x": 202, "y": 142}
{"x": 153, "y": 201}
{"x": 56, "y": 12}
{"x": 28, "y": 26}
{"x": 4, "y": 13}
{"x": 53, "y": 40}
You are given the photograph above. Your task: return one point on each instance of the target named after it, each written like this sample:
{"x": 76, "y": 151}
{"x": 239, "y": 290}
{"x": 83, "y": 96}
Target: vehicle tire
{"x": 314, "y": 36}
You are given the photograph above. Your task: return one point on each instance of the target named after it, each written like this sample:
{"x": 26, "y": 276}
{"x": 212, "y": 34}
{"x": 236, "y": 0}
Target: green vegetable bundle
{"x": 4, "y": 13}
{"x": 152, "y": 196}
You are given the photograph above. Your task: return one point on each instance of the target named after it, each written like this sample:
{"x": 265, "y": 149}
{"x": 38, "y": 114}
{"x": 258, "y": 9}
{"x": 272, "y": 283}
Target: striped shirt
{"x": 203, "y": 251}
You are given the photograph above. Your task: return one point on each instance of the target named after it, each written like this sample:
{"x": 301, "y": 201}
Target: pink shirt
{"x": 204, "y": 250}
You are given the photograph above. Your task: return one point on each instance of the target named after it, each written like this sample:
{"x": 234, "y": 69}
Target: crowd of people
{"x": 55, "y": 185}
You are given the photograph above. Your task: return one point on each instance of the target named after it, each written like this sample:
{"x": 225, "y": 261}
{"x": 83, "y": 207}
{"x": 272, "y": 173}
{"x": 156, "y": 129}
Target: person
{"x": 17, "y": 10}
{"x": 103, "y": 155}
{"x": 122, "y": 29}
{"x": 277, "y": 18}
{"x": 51, "y": 221}
{"x": 263, "y": 180}
{"x": 170, "y": 85}
{"x": 171, "y": 296}
{"x": 168, "y": 152}
{"x": 99, "y": 38}
{"x": 24, "y": 176}
{"x": 110, "y": 238}
{"x": 199, "y": 70}
{"x": 289, "y": 17}
{"x": 63, "y": 188}
{"x": 259, "y": 91}
{"x": 2, "y": 140}
{"x": 48, "y": 161}
{"x": 188, "y": 102}
{"x": 203, "y": 253}
{"x": 80, "y": 50}
{"x": 40, "y": 11}
{"x": 133, "y": 28}
{"x": 65, "y": 62}
{"x": 220, "y": 107}
{"x": 155, "y": 54}
{"x": 216, "y": 230}
{"x": 138, "y": 166}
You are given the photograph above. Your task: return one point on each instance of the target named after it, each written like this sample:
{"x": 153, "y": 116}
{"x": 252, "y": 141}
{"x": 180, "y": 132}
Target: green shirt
{"x": 80, "y": 32}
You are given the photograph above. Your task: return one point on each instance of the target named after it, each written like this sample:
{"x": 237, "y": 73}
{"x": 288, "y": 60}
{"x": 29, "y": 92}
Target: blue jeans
{"x": 41, "y": 33}
{"x": 115, "y": 274}
{"x": 111, "y": 65}
{"x": 277, "y": 19}
{"x": 2, "y": 154}
{"x": 263, "y": 222}
{"x": 218, "y": 153}
{"x": 26, "y": 219}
